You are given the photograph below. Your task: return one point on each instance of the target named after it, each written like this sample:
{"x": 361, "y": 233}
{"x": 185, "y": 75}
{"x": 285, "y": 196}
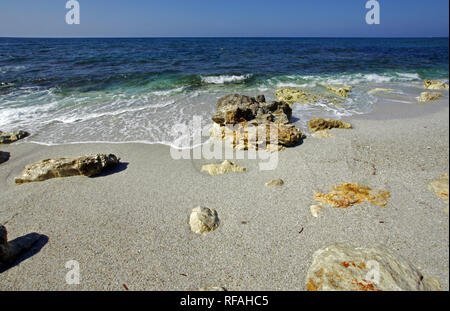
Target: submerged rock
{"x": 8, "y": 138}
{"x": 222, "y": 168}
{"x": 320, "y": 124}
{"x": 435, "y": 85}
{"x": 276, "y": 182}
{"x": 4, "y": 156}
{"x": 53, "y": 168}
{"x": 342, "y": 267}
{"x": 349, "y": 194}
{"x": 292, "y": 96}
{"x": 10, "y": 252}
{"x": 379, "y": 89}
{"x": 203, "y": 219}
{"x": 340, "y": 91}
{"x": 429, "y": 96}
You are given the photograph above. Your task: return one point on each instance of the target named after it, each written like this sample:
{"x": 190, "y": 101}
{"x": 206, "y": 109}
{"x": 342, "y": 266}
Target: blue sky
{"x": 169, "y": 18}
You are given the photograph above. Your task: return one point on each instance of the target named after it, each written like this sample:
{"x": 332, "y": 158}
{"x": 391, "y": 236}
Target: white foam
{"x": 222, "y": 79}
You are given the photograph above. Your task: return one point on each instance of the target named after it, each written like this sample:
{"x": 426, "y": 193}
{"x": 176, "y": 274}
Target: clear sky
{"x": 206, "y": 18}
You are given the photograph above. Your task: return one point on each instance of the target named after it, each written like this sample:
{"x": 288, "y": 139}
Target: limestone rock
{"x": 292, "y": 96}
{"x": 276, "y": 182}
{"x": 349, "y": 194}
{"x": 4, "y": 156}
{"x": 429, "y": 96}
{"x": 203, "y": 219}
{"x": 316, "y": 210}
{"x": 53, "y": 168}
{"x": 235, "y": 108}
{"x": 251, "y": 135}
{"x": 223, "y": 168}
{"x": 11, "y": 251}
{"x": 320, "y": 124}
{"x": 342, "y": 267}
{"x": 435, "y": 85}
{"x": 8, "y": 138}
{"x": 379, "y": 89}
{"x": 340, "y": 91}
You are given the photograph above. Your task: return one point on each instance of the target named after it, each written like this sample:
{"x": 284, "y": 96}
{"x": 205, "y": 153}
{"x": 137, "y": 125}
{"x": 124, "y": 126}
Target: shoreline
{"x": 129, "y": 226}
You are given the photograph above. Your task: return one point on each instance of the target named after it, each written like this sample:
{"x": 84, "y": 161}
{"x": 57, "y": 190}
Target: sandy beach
{"x": 130, "y": 225}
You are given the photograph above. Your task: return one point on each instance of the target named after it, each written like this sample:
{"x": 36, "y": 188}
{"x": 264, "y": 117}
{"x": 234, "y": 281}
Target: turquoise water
{"x": 123, "y": 90}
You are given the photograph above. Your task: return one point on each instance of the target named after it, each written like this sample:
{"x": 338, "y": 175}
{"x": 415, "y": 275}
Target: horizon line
{"x": 226, "y": 37}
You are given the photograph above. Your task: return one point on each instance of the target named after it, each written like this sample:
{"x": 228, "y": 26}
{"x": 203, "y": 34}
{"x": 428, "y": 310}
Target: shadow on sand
{"x": 22, "y": 248}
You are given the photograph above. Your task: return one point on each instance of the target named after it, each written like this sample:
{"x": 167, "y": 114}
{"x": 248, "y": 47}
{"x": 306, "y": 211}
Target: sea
{"x": 122, "y": 90}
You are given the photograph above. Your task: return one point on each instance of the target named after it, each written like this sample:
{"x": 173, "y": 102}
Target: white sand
{"x": 132, "y": 226}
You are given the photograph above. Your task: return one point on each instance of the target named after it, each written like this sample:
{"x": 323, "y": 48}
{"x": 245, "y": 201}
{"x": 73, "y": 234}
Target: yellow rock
{"x": 435, "y": 85}
{"x": 223, "y": 168}
{"x": 429, "y": 96}
{"x": 340, "y": 91}
{"x": 349, "y": 194}
{"x": 203, "y": 219}
{"x": 276, "y": 182}
{"x": 320, "y": 124}
{"x": 292, "y": 96}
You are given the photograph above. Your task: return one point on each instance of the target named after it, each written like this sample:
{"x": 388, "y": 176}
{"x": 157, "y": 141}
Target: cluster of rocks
{"x": 252, "y": 123}
{"x": 432, "y": 85}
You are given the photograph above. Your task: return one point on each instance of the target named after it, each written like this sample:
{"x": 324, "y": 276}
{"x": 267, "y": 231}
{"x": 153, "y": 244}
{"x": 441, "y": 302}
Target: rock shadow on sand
{"x": 121, "y": 166}
{"x": 37, "y": 240}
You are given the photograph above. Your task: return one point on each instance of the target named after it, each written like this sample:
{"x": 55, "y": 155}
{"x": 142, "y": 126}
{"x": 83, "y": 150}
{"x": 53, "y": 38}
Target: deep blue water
{"x": 77, "y": 85}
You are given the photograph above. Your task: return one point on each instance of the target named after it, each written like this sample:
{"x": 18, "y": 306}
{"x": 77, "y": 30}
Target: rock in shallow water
{"x": 342, "y": 267}
{"x": 435, "y": 85}
{"x": 203, "y": 219}
{"x": 53, "y": 168}
{"x": 249, "y": 123}
{"x": 340, "y": 91}
{"x": 429, "y": 96}
{"x": 235, "y": 108}
{"x": 222, "y": 168}
{"x": 8, "y": 138}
